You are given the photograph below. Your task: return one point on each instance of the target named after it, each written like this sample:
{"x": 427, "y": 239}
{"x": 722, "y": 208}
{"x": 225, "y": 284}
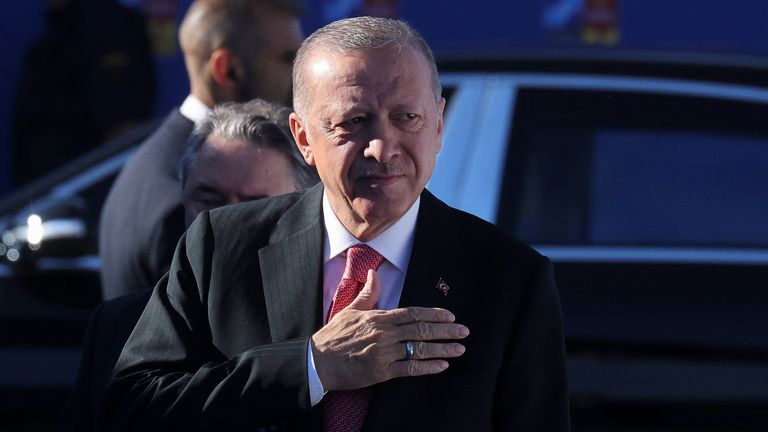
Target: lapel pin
{"x": 442, "y": 286}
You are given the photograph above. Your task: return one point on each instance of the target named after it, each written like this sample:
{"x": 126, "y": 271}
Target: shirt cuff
{"x": 316, "y": 390}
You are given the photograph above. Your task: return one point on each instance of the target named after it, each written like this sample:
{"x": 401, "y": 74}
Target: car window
{"x": 623, "y": 168}
{"x": 671, "y": 187}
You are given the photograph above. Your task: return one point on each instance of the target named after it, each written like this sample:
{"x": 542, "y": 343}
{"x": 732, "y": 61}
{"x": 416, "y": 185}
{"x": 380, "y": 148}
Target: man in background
{"x": 234, "y": 50}
{"x": 88, "y": 78}
{"x": 239, "y": 152}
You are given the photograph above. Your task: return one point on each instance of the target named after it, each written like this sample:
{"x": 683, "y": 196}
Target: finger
{"x": 424, "y": 331}
{"x": 367, "y": 297}
{"x": 415, "y": 314}
{"x": 417, "y": 367}
{"x": 427, "y": 350}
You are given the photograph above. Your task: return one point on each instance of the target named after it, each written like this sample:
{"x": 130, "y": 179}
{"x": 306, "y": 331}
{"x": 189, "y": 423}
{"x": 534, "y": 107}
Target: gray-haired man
{"x": 339, "y": 307}
{"x": 241, "y": 151}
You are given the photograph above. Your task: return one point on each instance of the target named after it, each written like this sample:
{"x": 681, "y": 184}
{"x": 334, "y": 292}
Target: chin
{"x": 382, "y": 209}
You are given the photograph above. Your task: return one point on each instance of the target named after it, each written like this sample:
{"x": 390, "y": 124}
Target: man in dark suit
{"x": 240, "y": 152}
{"x": 234, "y": 50}
{"x": 349, "y": 306}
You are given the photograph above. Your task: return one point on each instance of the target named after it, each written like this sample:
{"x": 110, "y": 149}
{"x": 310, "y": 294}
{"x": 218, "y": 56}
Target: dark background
{"x": 682, "y": 27}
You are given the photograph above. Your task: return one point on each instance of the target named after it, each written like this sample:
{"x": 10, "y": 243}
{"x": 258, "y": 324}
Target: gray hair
{"x": 354, "y": 35}
{"x": 259, "y": 122}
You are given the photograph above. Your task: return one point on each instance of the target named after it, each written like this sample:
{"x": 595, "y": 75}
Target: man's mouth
{"x": 378, "y": 181}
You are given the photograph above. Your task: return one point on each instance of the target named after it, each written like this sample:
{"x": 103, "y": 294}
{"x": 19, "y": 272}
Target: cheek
{"x": 333, "y": 161}
{"x": 288, "y": 185}
{"x": 423, "y": 156}
{"x": 424, "y": 161}
{"x": 329, "y": 169}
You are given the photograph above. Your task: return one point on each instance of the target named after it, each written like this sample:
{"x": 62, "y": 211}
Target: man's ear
{"x": 440, "y": 123}
{"x": 225, "y": 69}
{"x": 299, "y": 132}
{"x": 440, "y": 109}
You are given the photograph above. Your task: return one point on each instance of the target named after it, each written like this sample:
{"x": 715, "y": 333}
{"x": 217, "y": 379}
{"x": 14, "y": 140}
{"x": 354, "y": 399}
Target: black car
{"x": 49, "y": 281}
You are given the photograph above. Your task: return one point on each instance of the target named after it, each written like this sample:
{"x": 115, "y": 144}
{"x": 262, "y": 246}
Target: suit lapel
{"x": 291, "y": 268}
{"x": 433, "y": 258}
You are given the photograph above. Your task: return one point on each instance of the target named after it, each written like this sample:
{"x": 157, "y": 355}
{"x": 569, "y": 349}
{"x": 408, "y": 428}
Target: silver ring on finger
{"x": 408, "y": 350}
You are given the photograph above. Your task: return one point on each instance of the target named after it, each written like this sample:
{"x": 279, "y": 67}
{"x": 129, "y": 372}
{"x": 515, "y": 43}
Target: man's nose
{"x": 383, "y": 145}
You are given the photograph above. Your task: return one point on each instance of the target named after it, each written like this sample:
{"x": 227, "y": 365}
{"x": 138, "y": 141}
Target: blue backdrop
{"x": 733, "y": 27}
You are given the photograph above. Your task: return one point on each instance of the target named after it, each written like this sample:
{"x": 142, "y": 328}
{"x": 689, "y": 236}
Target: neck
{"x": 204, "y": 97}
{"x": 365, "y": 231}
{"x": 202, "y": 91}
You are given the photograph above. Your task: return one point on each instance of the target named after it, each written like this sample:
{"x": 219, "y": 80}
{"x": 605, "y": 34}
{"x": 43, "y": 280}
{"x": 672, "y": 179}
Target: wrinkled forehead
{"x": 374, "y": 70}
{"x": 222, "y": 156}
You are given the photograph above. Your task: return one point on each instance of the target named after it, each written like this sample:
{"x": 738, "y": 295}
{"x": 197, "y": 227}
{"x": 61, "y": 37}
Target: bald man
{"x": 234, "y": 50}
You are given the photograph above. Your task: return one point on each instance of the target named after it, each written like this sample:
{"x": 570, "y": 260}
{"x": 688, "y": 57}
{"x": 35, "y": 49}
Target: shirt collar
{"x": 194, "y": 109}
{"x": 394, "y": 244}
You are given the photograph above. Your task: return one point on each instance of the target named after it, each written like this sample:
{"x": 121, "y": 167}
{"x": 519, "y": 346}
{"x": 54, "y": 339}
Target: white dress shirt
{"x": 394, "y": 244}
{"x": 194, "y": 109}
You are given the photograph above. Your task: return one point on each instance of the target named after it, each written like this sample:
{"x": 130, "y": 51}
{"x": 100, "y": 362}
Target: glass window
{"x": 608, "y": 168}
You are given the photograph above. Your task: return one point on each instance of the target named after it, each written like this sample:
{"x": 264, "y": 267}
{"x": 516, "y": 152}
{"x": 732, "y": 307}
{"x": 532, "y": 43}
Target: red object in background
{"x": 380, "y": 8}
{"x": 600, "y": 22}
{"x": 161, "y": 25}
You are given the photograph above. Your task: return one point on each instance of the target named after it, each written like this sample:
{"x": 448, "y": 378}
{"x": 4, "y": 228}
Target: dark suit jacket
{"x": 222, "y": 344}
{"x": 111, "y": 324}
{"x": 142, "y": 219}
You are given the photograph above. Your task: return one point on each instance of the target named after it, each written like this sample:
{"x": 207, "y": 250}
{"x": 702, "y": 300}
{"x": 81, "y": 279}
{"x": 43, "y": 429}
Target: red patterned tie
{"x": 345, "y": 410}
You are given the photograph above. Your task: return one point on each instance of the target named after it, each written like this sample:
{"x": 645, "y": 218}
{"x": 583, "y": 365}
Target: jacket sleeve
{"x": 532, "y": 392}
{"x": 171, "y": 374}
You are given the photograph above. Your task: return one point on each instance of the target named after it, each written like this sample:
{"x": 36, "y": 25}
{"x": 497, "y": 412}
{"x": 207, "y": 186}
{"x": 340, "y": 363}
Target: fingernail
{"x": 463, "y": 331}
{"x": 450, "y": 317}
{"x": 442, "y": 364}
{"x": 459, "y": 349}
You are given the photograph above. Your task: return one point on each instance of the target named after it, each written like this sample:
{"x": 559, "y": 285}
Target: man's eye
{"x": 209, "y": 201}
{"x": 349, "y": 125}
{"x": 409, "y": 121}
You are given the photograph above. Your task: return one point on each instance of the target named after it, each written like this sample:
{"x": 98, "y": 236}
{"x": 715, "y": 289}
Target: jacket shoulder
{"x": 482, "y": 237}
{"x": 258, "y": 217}
{"x": 168, "y": 139}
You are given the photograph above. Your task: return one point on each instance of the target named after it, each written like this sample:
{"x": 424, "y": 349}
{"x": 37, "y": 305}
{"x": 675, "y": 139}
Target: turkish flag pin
{"x": 443, "y": 287}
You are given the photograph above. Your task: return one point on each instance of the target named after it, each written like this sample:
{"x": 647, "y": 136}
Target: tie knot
{"x": 361, "y": 258}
